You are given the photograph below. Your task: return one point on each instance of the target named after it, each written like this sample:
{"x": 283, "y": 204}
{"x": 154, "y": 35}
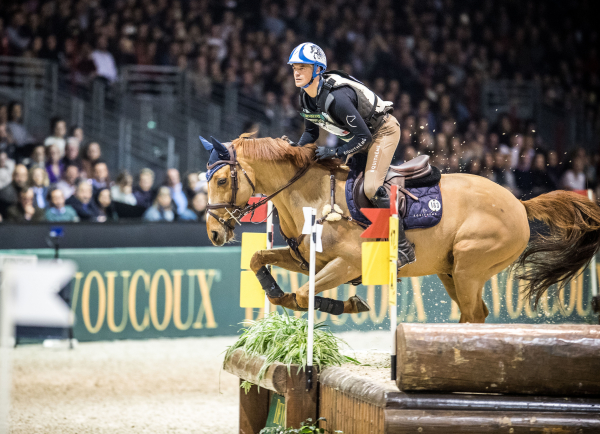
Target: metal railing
{"x": 559, "y": 128}
{"x": 44, "y": 92}
{"x": 153, "y": 115}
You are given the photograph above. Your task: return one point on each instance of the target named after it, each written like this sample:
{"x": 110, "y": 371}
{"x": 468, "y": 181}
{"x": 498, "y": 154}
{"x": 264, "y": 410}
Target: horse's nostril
{"x": 215, "y": 235}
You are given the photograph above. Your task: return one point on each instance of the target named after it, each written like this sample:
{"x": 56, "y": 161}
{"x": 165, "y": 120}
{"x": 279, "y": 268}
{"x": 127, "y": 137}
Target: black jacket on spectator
{"x": 16, "y": 214}
{"x": 9, "y": 195}
{"x": 144, "y": 198}
{"x": 89, "y": 212}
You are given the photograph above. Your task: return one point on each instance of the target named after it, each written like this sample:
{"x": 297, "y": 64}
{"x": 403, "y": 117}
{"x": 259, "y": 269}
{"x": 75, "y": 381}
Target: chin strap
{"x": 315, "y": 74}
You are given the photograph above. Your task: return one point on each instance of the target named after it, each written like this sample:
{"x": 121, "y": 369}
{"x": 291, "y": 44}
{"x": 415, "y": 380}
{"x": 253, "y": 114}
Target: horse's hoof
{"x": 359, "y": 304}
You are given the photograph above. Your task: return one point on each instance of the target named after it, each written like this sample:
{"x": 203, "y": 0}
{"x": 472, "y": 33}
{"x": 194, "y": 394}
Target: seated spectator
{"x": 540, "y": 179}
{"x": 82, "y": 202}
{"x": 143, "y": 192}
{"x": 54, "y": 165}
{"x": 105, "y": 206}
{"x": 192, "y": 184}
{"x": 101, "y": 177}
{"x": 58, "y": 126}
{"x": 574, "y": 178}
{"x": 17, "y": 130}
{"x": 90, "y": 156}
{"x": 38, "y": 181}
{"x": 68, "y": 183}
{"x": 196, "y": 210}
{"x": 37, "y": 158}
{"x": 173, "y": 181}
{"x": 72, "y": 153}
{"x": 9, "y": 195}
{"x": 106, "y": 67}
{"x": 7, "y": 166}
{"x": 162, "y": 209}
{"x": 24, "y": 210}
{"x": 77, "y": 132}
{"x": 554, "y": 168}
{"x": 58, "y": 211}
{"x": 6, "y": 142}
{"x": 122, "y": 191}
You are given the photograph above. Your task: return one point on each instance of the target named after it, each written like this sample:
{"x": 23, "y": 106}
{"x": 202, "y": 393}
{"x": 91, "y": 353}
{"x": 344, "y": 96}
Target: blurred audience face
{"x": 100, "y": 172}
{"x": 199, "y": 202}
{"x": 146, "y": 181}
{"x": 173, "y": 177}
{"x": 16, "y": 113}
{"x": 93, "y": 151}
{"x": 53, "y": 154}
{"x": 20, "y": 176}
{"x": 38, "y": 177}
{"x": 60, "y": 129}
{"x": 26, "y": 198}
{"x": 57, "y": 199}
{"x": 164, "y": 198}
{"x": 552, "y": 159}
{"x": 71, "y": 174}
{"x": 539, "y": 163}
{"x": 578, "y": 165}
{"x": 72, "y": 149}
{"x": 84, "y": 192}
{"x": 126, "y": 183}
{"x": 78, "y": 134}
{"x": 192, "y": 180}
{"x": 3, "y": 159}
{"x": 104, "y": 198}
{"x": 39, "y": 154}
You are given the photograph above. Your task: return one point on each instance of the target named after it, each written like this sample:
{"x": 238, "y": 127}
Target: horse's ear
{"x": 207, "y": 145}
{"x": 220, "y": 148}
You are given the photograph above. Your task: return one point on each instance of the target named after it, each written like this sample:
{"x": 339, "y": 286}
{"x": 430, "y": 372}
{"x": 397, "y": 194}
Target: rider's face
{"x": 302, "y": 74}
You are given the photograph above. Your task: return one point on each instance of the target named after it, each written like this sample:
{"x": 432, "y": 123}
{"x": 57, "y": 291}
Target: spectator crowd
{"x": 429, "y": 57}
{"x": 61, "y": 181}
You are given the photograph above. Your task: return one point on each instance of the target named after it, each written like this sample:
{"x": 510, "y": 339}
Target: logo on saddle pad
{"x": 434, "y": 205}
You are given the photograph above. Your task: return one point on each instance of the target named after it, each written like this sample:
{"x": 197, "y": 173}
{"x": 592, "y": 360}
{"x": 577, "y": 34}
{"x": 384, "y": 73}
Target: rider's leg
{"x": 381, "y": 153}
{"x": 380, "y": 157}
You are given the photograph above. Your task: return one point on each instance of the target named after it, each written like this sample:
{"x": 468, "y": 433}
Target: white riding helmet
{"x": 309, "y": 54}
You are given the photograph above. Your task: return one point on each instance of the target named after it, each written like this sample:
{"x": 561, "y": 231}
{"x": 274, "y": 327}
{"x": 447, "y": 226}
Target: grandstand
{"x": 502, "y": 89}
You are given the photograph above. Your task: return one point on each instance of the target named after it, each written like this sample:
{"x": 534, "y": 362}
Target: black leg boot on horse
{"x": 406, "y": 251}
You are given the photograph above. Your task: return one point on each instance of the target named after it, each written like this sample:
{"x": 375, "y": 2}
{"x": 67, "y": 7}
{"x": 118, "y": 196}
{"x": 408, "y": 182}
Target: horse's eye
{"x": 221, "y": 181}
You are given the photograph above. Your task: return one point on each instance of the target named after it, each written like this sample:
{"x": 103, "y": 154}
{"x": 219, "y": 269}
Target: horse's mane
{"x": 276, "y": 149}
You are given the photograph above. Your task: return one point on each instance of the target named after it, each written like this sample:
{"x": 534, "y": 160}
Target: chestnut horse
{"x": 483, "y": 230}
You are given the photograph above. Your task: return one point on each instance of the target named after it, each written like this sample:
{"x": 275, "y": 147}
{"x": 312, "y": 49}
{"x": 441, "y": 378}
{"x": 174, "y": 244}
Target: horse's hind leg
{"x": 448, "y": 281}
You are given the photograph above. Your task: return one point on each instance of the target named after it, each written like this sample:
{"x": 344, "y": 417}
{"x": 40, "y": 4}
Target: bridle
{"x": 240, "y": 211}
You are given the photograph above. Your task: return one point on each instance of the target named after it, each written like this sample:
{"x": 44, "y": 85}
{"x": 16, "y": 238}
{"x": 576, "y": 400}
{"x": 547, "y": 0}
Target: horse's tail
{"x": 572, "y": 241}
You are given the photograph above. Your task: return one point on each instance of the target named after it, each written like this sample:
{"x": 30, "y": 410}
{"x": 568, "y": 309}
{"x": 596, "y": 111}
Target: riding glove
{"x": 323, "y": 153}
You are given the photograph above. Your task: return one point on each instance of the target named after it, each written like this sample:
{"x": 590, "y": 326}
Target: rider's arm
{"x": 344, "y": 110}
{"x": 311, "y": 133}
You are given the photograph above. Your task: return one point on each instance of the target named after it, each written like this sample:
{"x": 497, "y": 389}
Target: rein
{"x": 239, "y": 211}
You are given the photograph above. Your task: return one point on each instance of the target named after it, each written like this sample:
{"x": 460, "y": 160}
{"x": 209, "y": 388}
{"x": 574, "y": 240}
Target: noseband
{"x": 237, "y": 212}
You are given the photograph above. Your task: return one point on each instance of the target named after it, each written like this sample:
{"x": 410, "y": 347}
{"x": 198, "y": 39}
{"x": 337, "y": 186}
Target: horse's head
{"x": 229, "y": 189}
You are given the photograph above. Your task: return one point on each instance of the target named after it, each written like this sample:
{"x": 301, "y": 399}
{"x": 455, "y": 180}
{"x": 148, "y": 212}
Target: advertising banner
{"x": 174, "y": 292}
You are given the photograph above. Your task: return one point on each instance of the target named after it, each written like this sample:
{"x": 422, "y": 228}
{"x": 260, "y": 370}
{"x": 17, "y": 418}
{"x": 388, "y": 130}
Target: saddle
{"x": 413, "y": 173}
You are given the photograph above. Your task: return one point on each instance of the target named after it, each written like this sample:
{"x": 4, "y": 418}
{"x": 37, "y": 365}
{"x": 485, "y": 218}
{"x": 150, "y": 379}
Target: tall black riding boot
{"x": 406, "y": 251}
{"x": 381, "y": 198}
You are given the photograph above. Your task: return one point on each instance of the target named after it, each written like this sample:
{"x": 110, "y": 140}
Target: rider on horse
{"x": 345, "y": 107}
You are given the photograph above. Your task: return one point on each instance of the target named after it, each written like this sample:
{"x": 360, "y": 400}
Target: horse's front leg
{"x": 282, "y": 257}
{"x": 335, "y": 273}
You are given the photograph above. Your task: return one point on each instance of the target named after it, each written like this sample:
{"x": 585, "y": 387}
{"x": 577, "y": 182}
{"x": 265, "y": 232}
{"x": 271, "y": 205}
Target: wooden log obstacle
{"x": 451, "y": 378}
